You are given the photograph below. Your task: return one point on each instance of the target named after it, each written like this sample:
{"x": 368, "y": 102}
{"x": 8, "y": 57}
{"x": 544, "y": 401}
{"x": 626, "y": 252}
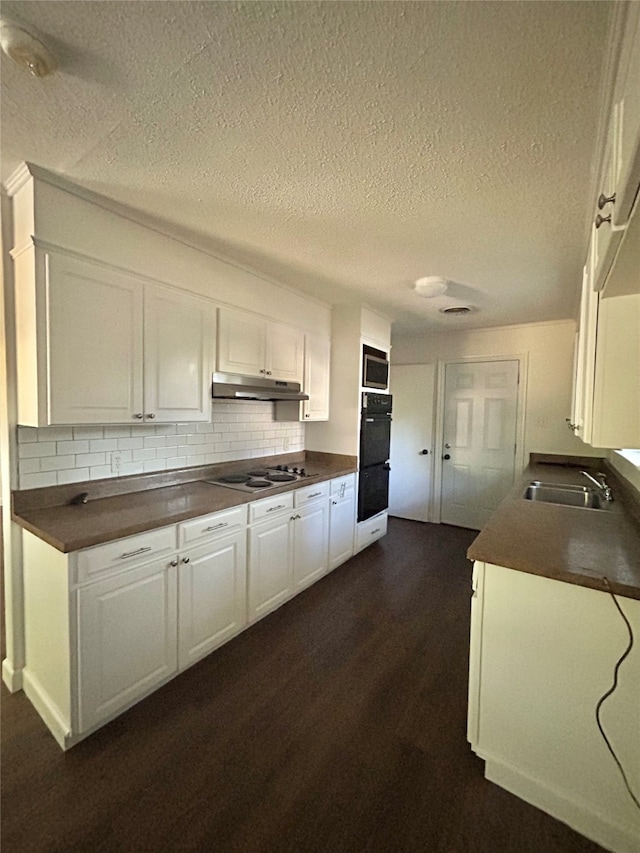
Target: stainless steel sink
{"x": 566, "y": 495}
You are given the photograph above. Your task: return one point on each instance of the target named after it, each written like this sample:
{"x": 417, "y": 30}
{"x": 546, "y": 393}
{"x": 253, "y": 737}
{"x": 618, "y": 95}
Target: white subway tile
{"x": 155, "y": 441}
{"x": 184, "y": 429}
{"x": 222, "y": 446}
{"x": 136, "y": 443}
{"x": 39, "y": 448}
{"x": 88, "y": 432}
{"x": 195, "y": 438}
{"x": 37, "y": 481}
{"x": 90, "y": 459}
{"x": 191, "y": 450}
{"x": 57, "y": 463}
{"x": 144, "y": 455}
{"x": 204, "y": 428}
{"x": 103, "y": 445}
{"x": 154, "y": 465}
{"x": 66, "y": 447}
{"x": 211, "y": 458}
{"x": 142, "y": 429}
{"x": 73, "y": 475}
{"x": 55, "y": 434}
{"x": 117, "y": 432}
{"x": 99, "y": 472}
{"x": 165, "y": 429}
{"x": 30, "y": 466}
{"x": 176, "y": 462}
{"x": 125, "y": 455}
{"x": 27, "y": 435}
{"x": 173, "y": 440}
{"x": 165, "y": 452}
{"x": 129, "y": 468}
{"x": 196, "y": 460}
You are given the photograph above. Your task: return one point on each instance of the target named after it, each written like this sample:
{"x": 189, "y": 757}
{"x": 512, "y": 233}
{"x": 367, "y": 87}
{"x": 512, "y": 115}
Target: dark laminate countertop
{"x": 157, "y": 501}
{"x": 579, "y": 546}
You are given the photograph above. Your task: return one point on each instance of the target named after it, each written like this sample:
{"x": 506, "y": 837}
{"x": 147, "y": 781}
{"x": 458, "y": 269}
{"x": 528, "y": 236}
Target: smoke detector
{"x": 26, "y": 50}
{"x": 430, "y": 286}
{"x": 456, "y": 310}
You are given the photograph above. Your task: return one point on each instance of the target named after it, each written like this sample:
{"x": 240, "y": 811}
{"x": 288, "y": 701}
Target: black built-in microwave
{"x": 375, "y": 368}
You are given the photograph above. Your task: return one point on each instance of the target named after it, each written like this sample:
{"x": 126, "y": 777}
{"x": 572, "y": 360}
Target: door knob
{"x": 423, "y": 452}
{"x": 447, "y": 456}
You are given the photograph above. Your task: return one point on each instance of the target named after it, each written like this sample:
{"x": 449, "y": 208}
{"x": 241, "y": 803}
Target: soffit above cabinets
{"x": 345, "y": 149}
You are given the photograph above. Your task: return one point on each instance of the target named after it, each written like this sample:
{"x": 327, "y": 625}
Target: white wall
{"x": 550, "y": 375}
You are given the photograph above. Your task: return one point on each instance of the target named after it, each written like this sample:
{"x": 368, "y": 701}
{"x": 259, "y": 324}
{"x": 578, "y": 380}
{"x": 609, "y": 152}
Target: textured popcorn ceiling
{"x": 345, "y": 148}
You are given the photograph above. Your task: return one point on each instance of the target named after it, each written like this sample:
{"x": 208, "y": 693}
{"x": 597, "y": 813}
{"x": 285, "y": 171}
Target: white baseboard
{"x": 556, "y": 803}
{"x": 48, "y": 710}
{"x": 11, "y": 677}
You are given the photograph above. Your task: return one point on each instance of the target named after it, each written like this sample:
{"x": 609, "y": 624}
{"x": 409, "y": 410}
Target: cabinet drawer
{"x": 268, "y": 507}
{"x": 309, "y": 494}
{"x": 123, "y": 553}
{"x": 370, "y": 530}
{"x": 209, "y": 526}
{"x": 340, "y": 484}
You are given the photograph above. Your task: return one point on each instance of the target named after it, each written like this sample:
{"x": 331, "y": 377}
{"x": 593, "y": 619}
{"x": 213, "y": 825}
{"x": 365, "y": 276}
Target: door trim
{"x": 519, "y": 464}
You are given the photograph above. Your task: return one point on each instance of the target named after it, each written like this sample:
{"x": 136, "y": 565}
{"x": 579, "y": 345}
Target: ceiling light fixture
{"x": 25, "y": 50}
{"x": 430, "y": 286}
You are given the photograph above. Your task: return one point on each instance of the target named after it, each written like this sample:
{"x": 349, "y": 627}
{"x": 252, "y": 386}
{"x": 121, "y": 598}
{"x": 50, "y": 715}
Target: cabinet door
{"x": 341, "y": 528}
{"x": 95, "y": 343}
{"x": 628, "y": 106}
{"x": 212, "y": 596}
{"x": 178, "y": 346}
{"x": 311, "y": 540}
{"x": 127, "y": 639}
{"x": 606, "y": 237}
{"x": 316, "y": 378}
{"x": 269, "y": 577}
{"x": 285, "y": 353}
{"x": 241, "y": 343}
{"x": 586, "y": 358}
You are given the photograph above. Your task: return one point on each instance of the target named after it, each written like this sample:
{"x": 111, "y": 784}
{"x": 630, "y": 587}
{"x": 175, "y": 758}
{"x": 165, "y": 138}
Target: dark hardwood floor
{"x": 336, "y": 724}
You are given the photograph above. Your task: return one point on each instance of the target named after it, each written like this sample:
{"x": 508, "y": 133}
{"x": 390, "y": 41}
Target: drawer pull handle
{"x": 377, "y": 530}
{"x": 313, "y": 495}
{"x": 216, "y": 526}
{"x": 128, "y": 554}
{"x": 274, "y": 508}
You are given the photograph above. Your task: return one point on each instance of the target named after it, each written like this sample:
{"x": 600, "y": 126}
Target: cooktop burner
{"x": 260, "y": 478}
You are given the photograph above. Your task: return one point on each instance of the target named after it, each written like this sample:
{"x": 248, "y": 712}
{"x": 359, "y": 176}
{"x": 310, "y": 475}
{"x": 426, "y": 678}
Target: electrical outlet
{"x": 285, "y": 442}
{"x": 116, "y": 461}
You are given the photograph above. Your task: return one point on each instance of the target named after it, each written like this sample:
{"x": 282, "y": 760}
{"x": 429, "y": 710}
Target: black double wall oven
{"x": 375, "y": 439}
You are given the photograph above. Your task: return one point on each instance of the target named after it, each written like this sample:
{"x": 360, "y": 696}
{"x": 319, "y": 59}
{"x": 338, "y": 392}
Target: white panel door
{"x": 342, "y": 519}
{"x": 212, "y": 586}
{"x": 127, "y": 639}
{"x": 269, "y": 578}
{"x": 316, "y": 378}
{"x": 285, "y": 353}
{"x": 479, "y": 440}
{"x": 311, "y": 544}
{"x": 410, "y": 479}
{"x": 242, "y": 342}
{"x": 178, "y": 363}
{"x": 95, "y": 343}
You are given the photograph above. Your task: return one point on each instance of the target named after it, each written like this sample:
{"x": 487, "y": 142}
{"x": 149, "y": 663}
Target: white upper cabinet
{"x": 252, "y": 346}
{"x": 94, "y": 368}
{"x": 628, "y": 116}
{"x": 106, "y": 346}
{"x": 178, "y": 356}
{"x": 605, "y": 235}
{"x": 317, "y": 354}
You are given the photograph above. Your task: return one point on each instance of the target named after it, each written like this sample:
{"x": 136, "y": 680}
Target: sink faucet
{"x": 601, "y": 484}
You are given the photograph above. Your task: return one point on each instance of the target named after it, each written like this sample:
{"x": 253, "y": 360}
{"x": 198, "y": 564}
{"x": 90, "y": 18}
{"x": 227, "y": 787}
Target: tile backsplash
{"x": 50, "y": 456}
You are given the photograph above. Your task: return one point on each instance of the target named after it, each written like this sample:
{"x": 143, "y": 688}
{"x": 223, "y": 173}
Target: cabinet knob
{"x": 186, "y": 559}
{"x": 262, "y": 370}
{"x": 138, "y": 416}
{"x": 306, "y": 416}
{"x": 268, "y": 372}
{"x": 173, "y": 563}
{"x": 604, "y": 199}
{"x": 151, "y": 416}
{"x": 447, "y": 456}
{"x": 424, "y": 452}
{"x": 600, "y": 220}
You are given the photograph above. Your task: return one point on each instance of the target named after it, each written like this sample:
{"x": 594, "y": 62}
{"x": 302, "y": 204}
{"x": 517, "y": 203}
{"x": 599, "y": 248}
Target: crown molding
{"x": 17, "y": 179}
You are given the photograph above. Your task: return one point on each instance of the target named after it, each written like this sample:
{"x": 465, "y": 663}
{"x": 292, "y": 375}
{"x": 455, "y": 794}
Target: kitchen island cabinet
{"x": 542, "y": 654}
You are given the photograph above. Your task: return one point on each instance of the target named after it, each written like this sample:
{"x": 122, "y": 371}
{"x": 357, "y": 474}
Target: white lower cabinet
{"x": 342, "y": 511}
{"x": 542, "y": 654}
{"x": 369, "y": 531}
{"x": 310, "y": 544}
{"x": 212, "y": 596}
{"x": 127, "y": 631}
{"x": 270, "y": 575}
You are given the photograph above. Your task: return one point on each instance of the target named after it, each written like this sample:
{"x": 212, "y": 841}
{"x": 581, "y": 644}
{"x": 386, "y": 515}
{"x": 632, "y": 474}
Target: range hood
{"x": 232, "y": 386}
